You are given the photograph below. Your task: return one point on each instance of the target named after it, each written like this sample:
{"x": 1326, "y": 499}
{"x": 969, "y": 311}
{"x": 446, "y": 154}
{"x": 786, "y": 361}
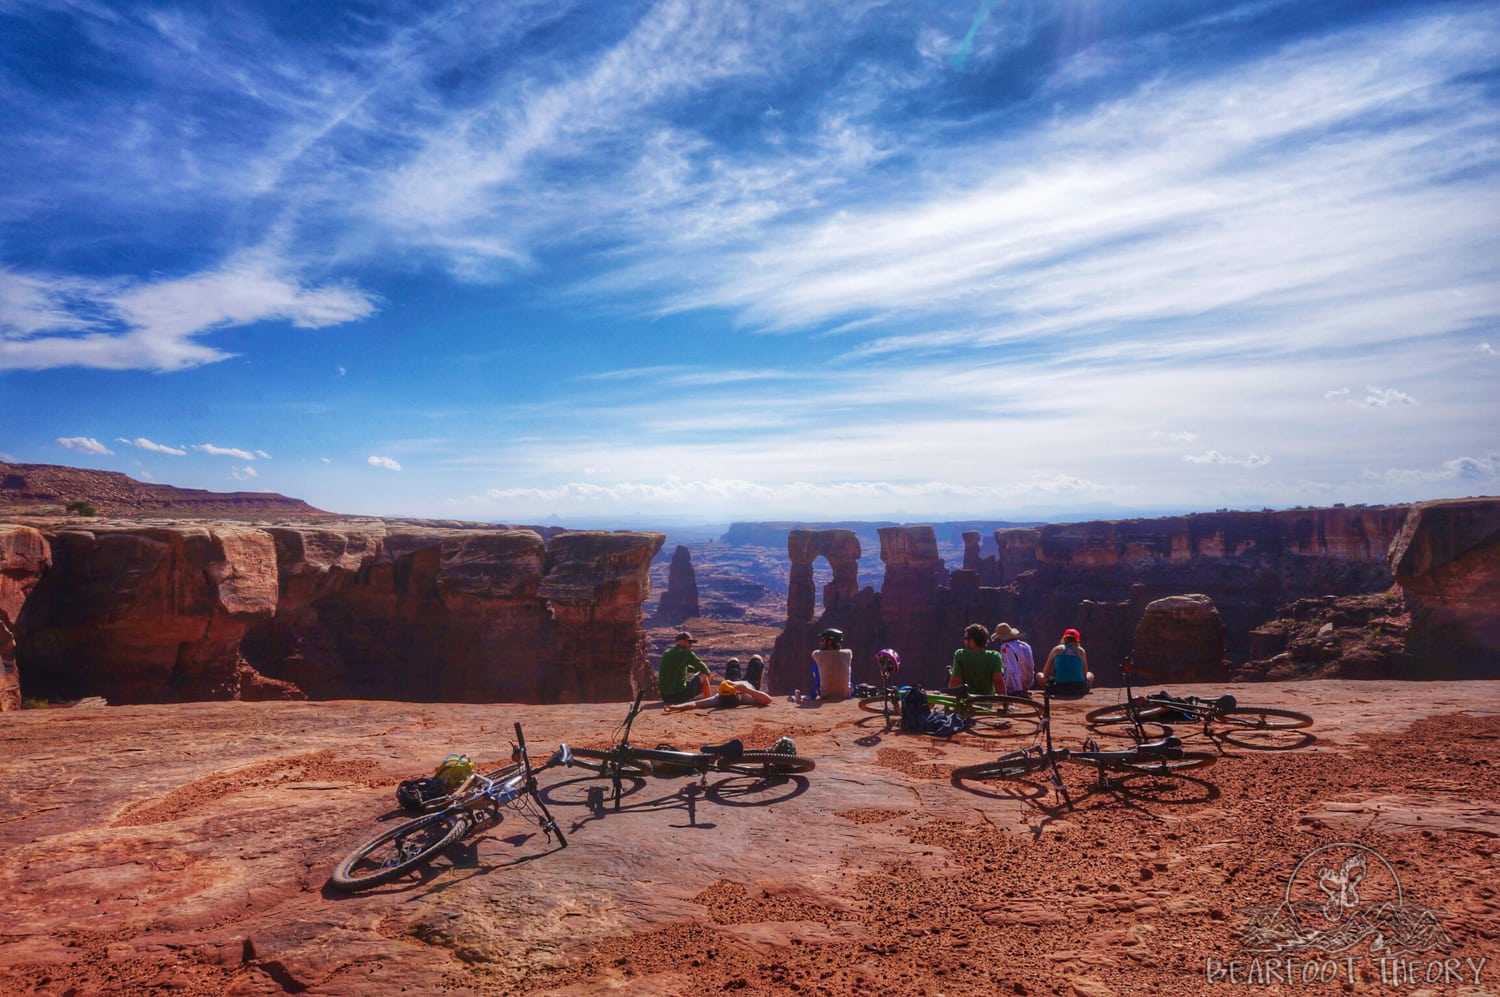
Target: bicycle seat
{"x": 1165, "y": 744}
{"x": 956, "y": 690}
{"x": 1223, "y": 703}
{"x": 729, "y": 750}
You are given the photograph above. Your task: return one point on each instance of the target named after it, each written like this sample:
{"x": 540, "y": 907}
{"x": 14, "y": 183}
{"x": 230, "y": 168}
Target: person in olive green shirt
{"x": 682, "y": 675}
{"x": 973, "y": 665}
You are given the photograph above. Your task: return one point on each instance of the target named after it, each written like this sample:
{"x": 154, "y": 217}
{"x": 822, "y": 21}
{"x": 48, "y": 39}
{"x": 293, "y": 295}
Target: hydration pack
{"x": 914, "y": 709}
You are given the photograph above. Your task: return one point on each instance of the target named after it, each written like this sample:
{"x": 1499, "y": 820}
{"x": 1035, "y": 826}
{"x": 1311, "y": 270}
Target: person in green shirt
{"x": 682, "y": 675}
{"x": 973, "y": 665}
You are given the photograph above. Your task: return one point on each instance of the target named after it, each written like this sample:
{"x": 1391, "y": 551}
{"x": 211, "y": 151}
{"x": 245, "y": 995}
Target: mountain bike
{"x": 625, "y": 761}
{"x": 472, "y": 807}
{"x": 1160, "y": 710}
{"x": 990, "y": 714}
{"x": 1162, "y": 757}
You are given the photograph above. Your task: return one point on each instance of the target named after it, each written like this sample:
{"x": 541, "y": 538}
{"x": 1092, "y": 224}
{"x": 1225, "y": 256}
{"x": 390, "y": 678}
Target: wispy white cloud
{"x": 710, "y": 496}
{"x": 243, "y": 473}
{"x": 1214, "y": 457}
{"x": 262, "y": 455}
{"x": 141, "y": 443}
{"x": 63, "y": 321}
{"x": 215, "y": 451}
{"x": 389, "y": 463}
{"x": 83, "y": 444}
{"x": 1478, "y": 472}
{"x": 1488, "y": 350}
{"x": 1374, "y": 397}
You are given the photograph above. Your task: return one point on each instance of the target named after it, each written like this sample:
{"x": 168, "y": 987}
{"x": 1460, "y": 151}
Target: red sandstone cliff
{"x": 1137, "y": 587}
{"x": 219, "y": 611}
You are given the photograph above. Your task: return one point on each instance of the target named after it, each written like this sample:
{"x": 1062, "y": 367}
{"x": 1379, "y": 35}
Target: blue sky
{"x": 709, "y": 260}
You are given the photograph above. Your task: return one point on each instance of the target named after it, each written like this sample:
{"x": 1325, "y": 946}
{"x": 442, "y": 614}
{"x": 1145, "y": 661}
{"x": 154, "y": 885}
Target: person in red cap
{"x": 682, "y": 675}
{"x": 1067, "y": 667}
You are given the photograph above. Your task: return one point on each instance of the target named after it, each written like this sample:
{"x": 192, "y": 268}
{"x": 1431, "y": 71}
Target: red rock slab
{"x": 187, "y": 849}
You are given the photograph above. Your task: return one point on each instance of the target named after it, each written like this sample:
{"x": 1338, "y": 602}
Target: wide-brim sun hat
{"x": 1005, "y": 631}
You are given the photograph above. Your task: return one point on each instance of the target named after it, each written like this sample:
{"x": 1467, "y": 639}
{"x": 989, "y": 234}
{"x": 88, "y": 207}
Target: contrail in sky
{"x": 961, "y": 57}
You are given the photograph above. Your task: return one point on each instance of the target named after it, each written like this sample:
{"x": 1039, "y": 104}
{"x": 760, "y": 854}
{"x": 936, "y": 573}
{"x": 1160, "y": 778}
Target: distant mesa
{"x": 48, "y": 489}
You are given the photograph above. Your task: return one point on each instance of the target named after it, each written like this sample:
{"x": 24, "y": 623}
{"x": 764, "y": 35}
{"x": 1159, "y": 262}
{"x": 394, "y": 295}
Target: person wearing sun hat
{"x": 1020, "y": 666}
{"x": 682, "y": 675}
{"x": 1067, "y": 667}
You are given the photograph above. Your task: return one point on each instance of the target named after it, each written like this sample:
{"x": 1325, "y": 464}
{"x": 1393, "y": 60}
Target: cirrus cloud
{"x": 389, "y": 463}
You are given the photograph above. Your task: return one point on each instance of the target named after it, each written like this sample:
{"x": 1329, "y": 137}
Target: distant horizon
{"x": 553, "y": 259}
{"x": 641, "y": 521}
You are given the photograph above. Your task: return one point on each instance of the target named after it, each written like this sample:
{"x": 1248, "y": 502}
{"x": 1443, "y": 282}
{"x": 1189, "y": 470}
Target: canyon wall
{"x": 173, "y": 613}
{"x": 1118, "y": 583}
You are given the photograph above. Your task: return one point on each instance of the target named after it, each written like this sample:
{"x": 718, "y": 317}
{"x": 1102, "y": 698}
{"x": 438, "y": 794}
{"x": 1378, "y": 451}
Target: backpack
{"x": 415, "y": 794}
{"x": 914, "y": 709}
{"x": 732, "y": 670}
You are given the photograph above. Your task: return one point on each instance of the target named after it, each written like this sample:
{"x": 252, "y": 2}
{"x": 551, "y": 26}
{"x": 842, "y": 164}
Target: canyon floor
{"x": 186, "y": 850}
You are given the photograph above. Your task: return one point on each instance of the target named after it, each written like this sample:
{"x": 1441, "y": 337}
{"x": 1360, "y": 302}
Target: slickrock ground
{"x": 186, "y": 850}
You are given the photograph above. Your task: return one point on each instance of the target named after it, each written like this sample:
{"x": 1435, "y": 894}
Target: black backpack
{"x": 415, "y": 795}
{"x": 914, "y": 709}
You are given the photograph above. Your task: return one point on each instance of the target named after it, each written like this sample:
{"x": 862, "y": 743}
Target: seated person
{"x": 832, "y": 665}
{"x": 1067, "y": 667}
{"x": 682, "y": 675}
{"x": 738, "y": 693}
{"x": 975, "y": 666}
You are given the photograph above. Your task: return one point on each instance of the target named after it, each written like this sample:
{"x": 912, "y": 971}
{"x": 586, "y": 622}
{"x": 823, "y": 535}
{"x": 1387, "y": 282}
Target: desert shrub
{"x": 82, "y": 507}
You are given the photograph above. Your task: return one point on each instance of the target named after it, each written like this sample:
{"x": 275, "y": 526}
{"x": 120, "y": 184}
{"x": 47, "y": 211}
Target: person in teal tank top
{"x": 1067, "y": 667}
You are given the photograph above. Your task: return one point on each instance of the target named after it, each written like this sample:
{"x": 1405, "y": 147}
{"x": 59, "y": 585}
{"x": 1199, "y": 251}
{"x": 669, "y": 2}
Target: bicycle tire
{"x": 1147, "y": 765}
{"x": 433, "y": 832}
{"x": 877, "y": 704}
{"x": 1121, "y": 713}
{"x": 1005, "y": 712}
{"x": 1013, "y": 766}
{"x": 1171, "y": 766}
{"x": 1262, "y": 718}
{"x": 765, "y": 763}
{"x": 604, "y": 762}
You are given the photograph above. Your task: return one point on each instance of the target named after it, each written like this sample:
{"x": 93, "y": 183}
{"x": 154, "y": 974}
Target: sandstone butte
{"x": 177, "y": 611}
{"x": 185, "y": 849}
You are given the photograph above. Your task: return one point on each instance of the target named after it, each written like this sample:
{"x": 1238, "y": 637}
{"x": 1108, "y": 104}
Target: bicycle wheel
{"x": 605, "y": 763}
{"x": 1151, "y": 720}
{"x": 1171, "y": 766}
{"x": 764, "y": 763}
{"x": 399, "y": 850}
{"x": 1012, "y": 714}
{"x": 878, "y": 704}
{"x": 1124, "y": 713}
{"x": 1262, "y": 718}
{"x": 1016, "y": 765}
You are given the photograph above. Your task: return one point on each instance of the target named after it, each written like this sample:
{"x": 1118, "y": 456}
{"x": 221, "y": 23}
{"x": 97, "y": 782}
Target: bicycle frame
{"x": 622, "y": 759}
{"x": 475, "y": 805}
{"x": 1159, "y": 709}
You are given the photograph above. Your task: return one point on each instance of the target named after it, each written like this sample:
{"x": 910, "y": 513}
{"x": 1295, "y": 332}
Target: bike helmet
{"x": 833, "y": 634}
{"x": 453, "y": 771}
{"x": 888, "y": 660}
